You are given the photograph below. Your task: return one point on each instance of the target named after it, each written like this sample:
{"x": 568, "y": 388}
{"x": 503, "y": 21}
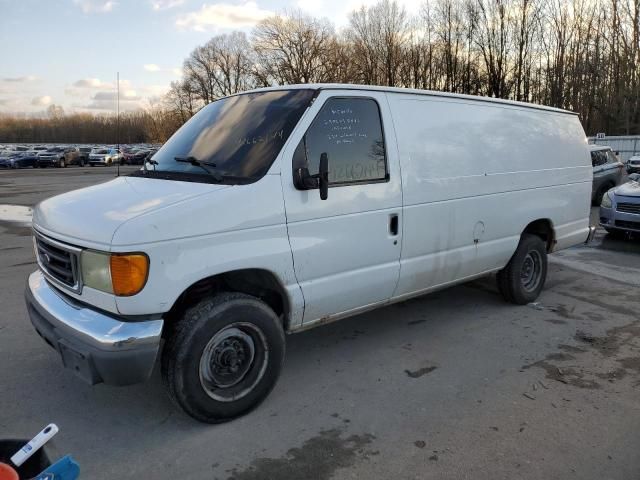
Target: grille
{"x": 628, "y": 207}
{"x": 627, "y": 224}
{"x": 58, "y": 261}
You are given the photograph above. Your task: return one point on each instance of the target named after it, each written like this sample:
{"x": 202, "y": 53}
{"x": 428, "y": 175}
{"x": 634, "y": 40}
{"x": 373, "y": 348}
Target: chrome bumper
{"x": 96, "y": 346}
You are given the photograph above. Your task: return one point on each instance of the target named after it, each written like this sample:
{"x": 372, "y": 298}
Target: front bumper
{"x": 633, "y": 168}
{"x": 96, "y": 346}
{"x": 612, "y": 219}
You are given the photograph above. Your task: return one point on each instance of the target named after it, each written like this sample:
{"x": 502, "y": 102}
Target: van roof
{"x": 594, "y": 148}
{"x": 411, "y": 91}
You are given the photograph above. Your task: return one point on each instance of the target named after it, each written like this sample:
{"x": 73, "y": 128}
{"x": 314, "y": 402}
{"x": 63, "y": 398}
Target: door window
{"x": 349, "y": 131}
{"x": 598, "y": 157}
{"x": 611, "y": 157}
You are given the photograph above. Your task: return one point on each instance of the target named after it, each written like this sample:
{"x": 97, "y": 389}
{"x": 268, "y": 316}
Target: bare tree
{"x": 293, "y": 49}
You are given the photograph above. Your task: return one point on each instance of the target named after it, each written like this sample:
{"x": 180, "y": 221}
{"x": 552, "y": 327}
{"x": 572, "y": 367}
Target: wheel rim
{"x": 233, "y": 361}
{"x": 531, "y": 272}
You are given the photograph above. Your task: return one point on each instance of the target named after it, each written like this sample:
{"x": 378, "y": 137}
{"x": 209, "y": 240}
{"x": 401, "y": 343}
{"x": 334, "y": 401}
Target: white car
{"x": 104, "y": 156}
{"x": 633, "y": 164}
{"x": 280, "y": 209}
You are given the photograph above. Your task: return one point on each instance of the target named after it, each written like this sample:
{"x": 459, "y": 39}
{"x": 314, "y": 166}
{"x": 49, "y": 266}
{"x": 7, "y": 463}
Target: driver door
{"x": 346, "y": 249}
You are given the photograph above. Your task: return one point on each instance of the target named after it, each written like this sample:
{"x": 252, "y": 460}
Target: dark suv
{"x": 52, "y": 157}
{"x": 607, "y": 171}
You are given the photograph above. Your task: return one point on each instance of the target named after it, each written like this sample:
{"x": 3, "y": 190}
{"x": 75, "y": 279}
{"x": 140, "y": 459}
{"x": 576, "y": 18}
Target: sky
{"x": 67, "y": 52}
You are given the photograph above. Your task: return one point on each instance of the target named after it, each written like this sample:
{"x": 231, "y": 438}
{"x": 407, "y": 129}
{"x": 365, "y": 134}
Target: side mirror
{"x": 323, "y": 176}
{"x": 303, "y": 180}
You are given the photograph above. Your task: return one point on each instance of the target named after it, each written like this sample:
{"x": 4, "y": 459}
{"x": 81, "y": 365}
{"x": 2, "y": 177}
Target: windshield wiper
{"x": 152, "y": 162}
{"x": 202, "y": 164}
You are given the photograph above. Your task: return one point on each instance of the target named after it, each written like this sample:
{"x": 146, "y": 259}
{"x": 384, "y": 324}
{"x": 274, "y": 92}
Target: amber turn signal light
{"x": 128, "y": 273}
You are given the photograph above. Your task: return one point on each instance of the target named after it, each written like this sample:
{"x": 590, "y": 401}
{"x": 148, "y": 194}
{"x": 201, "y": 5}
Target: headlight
{"x": 606, "y": 201}
{"x": 96, "y": 270}
{"x": 121, "y": 274}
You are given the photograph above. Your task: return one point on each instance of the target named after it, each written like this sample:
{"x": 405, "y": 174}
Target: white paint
{"x": 454, "y": 163}
{"x": 15, "y": 213}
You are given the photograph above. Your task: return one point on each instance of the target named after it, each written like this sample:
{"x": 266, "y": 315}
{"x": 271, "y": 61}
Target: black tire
{"x": 81, "y": 162}
{"x": 522, "y": 280}
{"x": 207, "y": 347}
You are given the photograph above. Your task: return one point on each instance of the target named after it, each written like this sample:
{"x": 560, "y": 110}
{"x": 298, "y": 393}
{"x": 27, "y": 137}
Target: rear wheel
{"x": 224, "y": 357}
{"x": 522, "y": 280}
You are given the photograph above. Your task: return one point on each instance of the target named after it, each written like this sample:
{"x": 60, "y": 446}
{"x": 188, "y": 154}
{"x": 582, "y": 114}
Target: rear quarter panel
{"x": 480, "y": 169}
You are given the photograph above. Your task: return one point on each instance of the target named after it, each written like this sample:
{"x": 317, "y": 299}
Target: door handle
{"x": 393, "y": 224}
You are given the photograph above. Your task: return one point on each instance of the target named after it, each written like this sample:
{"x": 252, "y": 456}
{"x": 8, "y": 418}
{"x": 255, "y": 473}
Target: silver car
{"x": 607, "y": 171}
{"x": 620, "y": 207}
{"x": 633, "y": 164}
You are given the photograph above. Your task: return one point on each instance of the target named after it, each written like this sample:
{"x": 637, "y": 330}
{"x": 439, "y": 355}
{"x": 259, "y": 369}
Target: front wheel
{"x": 223, "y": 357}
{"x": 522, "y": 280}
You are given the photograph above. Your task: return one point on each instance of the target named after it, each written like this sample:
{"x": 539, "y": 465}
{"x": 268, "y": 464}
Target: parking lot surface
{"x": 456, "y": 384}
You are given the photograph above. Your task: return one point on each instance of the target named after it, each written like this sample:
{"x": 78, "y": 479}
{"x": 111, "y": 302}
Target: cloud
{"x": 151, "y": 67}
{"x": 223, "y": 16}
{"x": 27, "y": 78}
{"x": 41, "y": 101}
{"x": 91, "y": 83}
{"x": 126, "y": 96}
{"x": 95, "y": 6}
{"x": 315, "y": 7}
{"x": 129, "y": 100}
{"x": 158, "y": 5}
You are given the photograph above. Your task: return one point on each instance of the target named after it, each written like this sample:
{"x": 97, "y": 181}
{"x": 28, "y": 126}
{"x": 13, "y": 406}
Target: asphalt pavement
{"x": 453, "y": 385}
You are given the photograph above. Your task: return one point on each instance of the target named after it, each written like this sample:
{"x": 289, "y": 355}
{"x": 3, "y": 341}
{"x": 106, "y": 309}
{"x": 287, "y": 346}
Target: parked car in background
{"x": 620, "y": 207}
{"x": 607, "y": 171}
{"x": 72, "y": 156}
{"x": 52, "y": 157}
{"x": 134, "y": 156}
{"x": 104, "y": 156}
{"x": 633, "y": 164}
{"x": 26, "y": 159}
{"x": 15, "y": 159}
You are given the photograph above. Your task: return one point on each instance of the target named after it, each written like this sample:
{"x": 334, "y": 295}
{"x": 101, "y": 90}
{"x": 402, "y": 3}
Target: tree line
{"x": 580, "y": 55}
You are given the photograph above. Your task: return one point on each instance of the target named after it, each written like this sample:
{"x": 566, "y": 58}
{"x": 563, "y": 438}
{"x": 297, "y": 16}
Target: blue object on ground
{"x": 64, "y": 469}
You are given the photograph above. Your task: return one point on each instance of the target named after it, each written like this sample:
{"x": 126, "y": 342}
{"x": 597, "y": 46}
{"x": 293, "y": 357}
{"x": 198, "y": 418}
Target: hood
{"x": 93, "y": 214}
{"x": 629, "y": 189}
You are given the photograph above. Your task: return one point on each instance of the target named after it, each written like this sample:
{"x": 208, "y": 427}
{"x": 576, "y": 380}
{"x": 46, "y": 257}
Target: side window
{"x": 349, "y": 131}
{"x": 598, "y": 158}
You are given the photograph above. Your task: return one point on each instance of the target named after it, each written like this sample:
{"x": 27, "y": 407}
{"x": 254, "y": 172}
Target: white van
{"x": 280, "y": 209}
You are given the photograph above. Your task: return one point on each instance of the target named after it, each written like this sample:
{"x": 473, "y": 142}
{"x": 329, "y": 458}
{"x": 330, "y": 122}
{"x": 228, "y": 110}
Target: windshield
{"x": 101, "y": 151}
{"x": 242, "y": 135}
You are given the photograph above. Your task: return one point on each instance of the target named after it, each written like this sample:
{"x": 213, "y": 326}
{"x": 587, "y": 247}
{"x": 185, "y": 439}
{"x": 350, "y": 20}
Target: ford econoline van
{"x": 279, "y": 209}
